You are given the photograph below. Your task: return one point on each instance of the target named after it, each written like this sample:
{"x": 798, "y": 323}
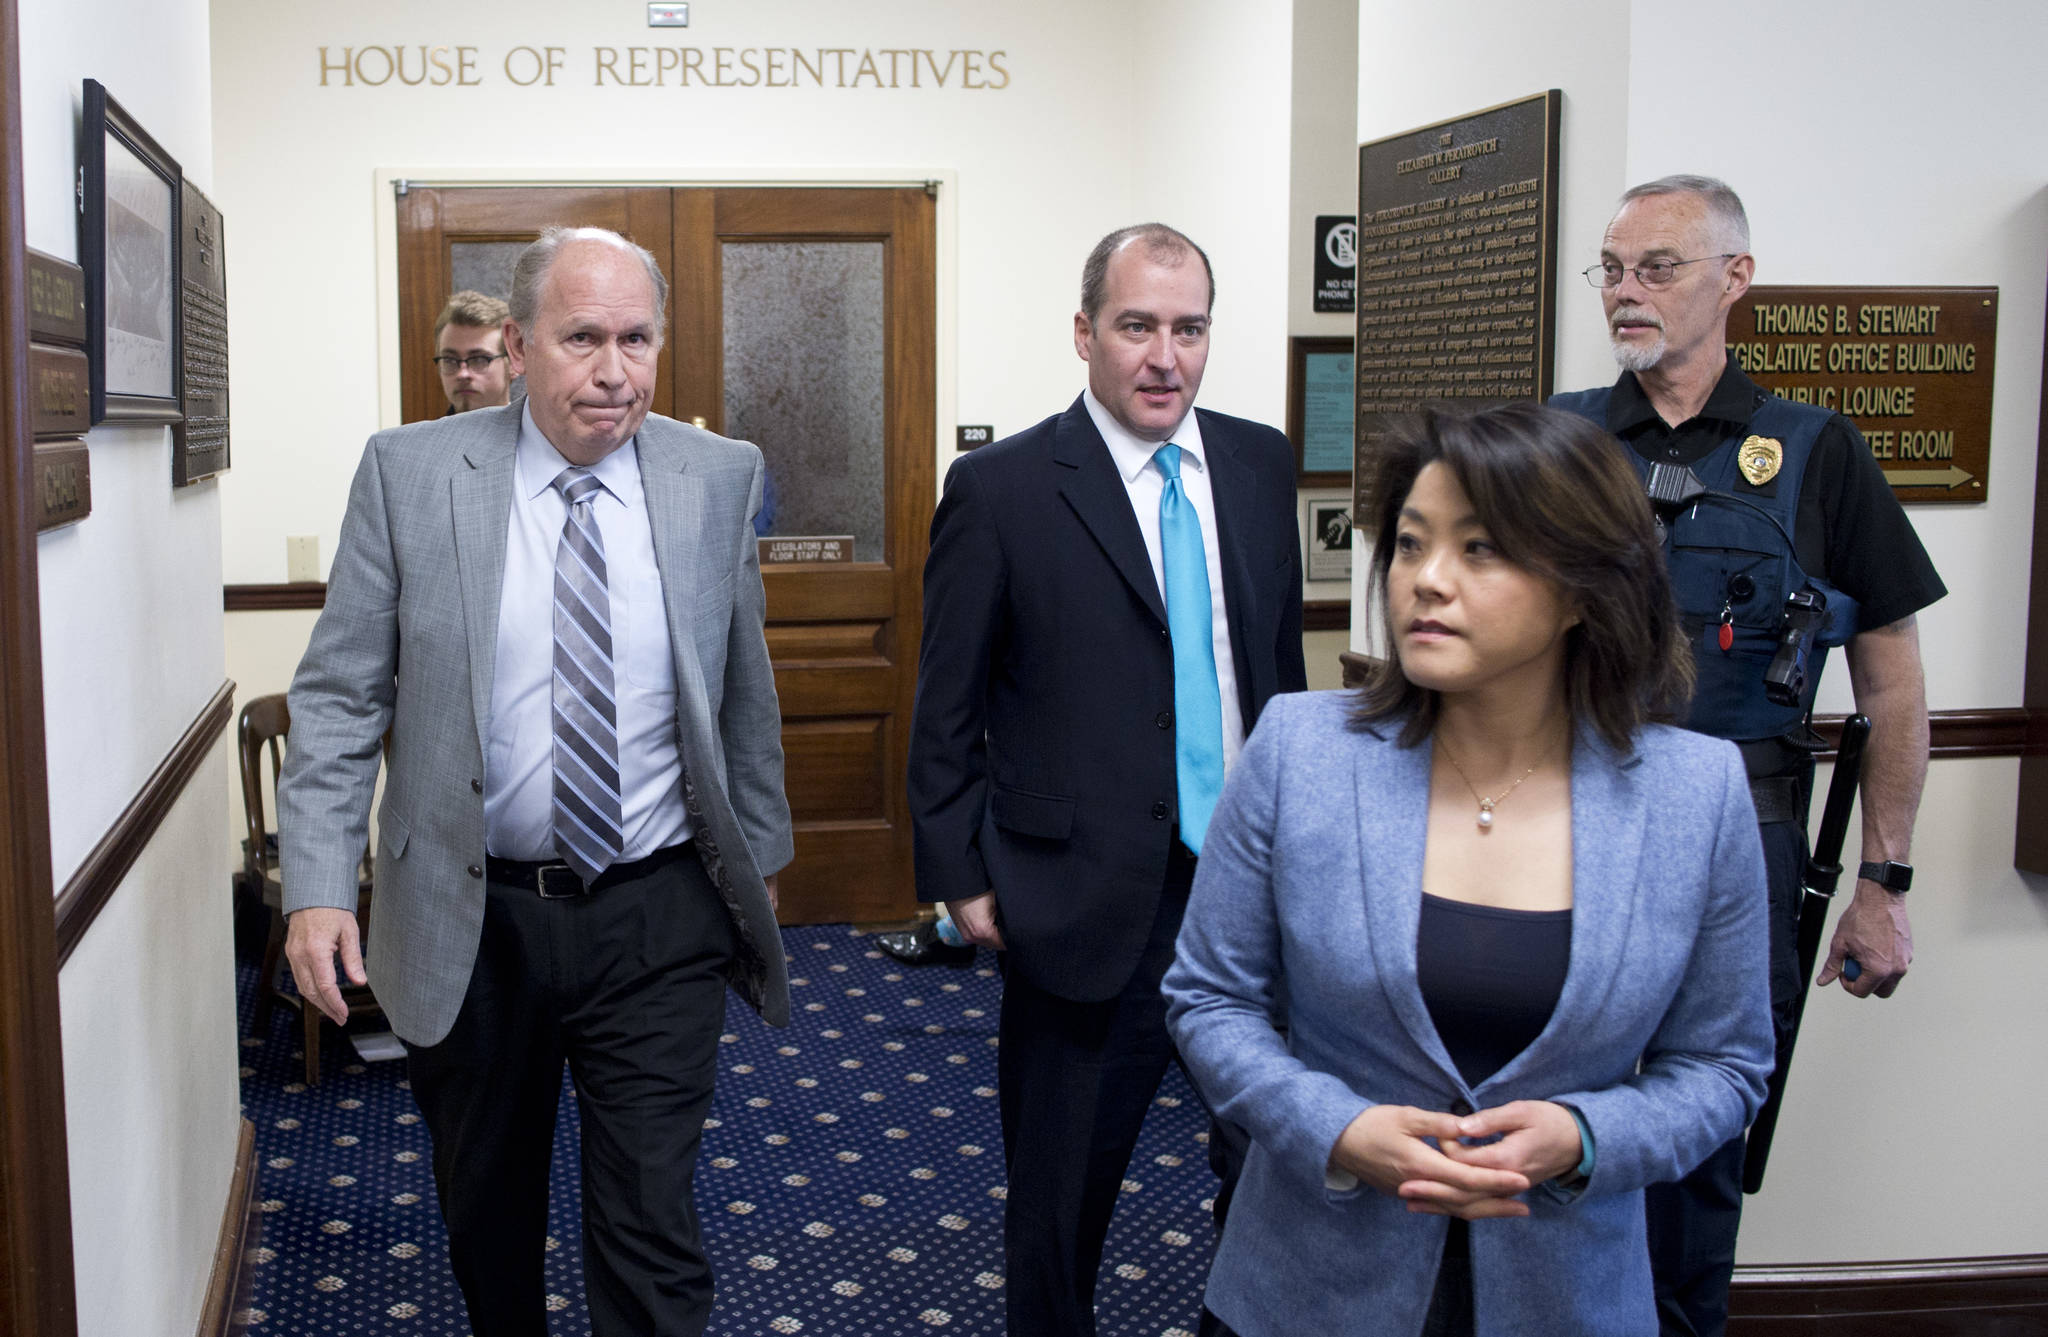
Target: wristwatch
{"x": 1892, "y": 875}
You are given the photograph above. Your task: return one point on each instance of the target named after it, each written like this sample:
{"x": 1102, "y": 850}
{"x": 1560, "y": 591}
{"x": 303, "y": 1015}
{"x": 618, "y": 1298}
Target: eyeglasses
{"x": 1651, "y": 273}
{"x": 476, "y": 362}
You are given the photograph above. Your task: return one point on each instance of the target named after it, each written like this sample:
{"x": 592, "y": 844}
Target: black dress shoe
{"x": 921, "y": 946}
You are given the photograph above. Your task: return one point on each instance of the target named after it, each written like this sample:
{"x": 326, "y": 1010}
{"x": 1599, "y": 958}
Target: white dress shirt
{"x": 1133, "y": 459}
{"x": 519, "y": 768}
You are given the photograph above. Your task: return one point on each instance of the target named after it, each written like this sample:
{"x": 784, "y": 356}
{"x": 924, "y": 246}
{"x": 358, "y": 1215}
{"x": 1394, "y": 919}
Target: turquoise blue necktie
{"x": 1197, "y": 705}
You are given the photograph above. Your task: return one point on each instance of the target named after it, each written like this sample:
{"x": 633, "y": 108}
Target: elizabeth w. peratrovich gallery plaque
{"x": 1456, "y": 265}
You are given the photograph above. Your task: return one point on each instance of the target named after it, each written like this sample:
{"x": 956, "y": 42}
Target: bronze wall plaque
{"x": 1911, "y": 367}
{"x": 63, "y": 483}
{"x": 56, "y": 300}
{"x": 199, "y": 444}
{"x": 1457, "y": 265}
{"x": 62, "y": 402}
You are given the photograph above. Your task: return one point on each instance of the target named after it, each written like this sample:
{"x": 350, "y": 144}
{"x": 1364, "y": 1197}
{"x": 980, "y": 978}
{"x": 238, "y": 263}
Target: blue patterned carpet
{"x": 851, "y": 1183}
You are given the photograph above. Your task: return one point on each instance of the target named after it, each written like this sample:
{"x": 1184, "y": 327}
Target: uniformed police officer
{"x": 1796, "y": 506}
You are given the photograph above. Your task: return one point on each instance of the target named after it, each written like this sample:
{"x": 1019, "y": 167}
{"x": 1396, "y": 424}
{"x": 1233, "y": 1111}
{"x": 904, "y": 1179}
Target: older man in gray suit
{"x": 555, "y": 609}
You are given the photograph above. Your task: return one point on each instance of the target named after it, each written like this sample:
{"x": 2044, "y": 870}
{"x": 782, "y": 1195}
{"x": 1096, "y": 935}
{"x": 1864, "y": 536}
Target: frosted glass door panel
{"x": 803, "y": 380}
{"x": 484, "y": 266}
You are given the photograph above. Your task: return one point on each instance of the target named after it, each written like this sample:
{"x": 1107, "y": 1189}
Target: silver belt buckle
{"x": 557, "y": 882}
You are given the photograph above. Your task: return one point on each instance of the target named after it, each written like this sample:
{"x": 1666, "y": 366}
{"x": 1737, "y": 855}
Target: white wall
{"x": 131, "y": 654}
{"x": 151, "y": 1094}
{"x": 1323, "y": 153}
{"x": 1204, "y": 140}
{"x": 1885, "y": 1095}
{"x": 1874, "y": 144}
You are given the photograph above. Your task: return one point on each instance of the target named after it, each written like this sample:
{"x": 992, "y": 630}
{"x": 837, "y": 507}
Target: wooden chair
{"x": 264, "y": 724}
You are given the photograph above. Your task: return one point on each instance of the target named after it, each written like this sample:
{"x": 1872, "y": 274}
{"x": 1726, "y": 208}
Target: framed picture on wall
{"x": 1326, "y": 530}
{"x": 131, "y": 205}
{"x": 1322, "y": 410}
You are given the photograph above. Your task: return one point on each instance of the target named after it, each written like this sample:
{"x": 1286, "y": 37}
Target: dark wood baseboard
{"x": 1316, "y": 614}
{"x": 270, "y": 598}
{"x": 1326, "y": 615}
{"x": 90, "y": 888}
{"x": 241, "y": 1225}
{"x": 1991, "y": 731}
{"x": 1988, "y": 732}
{"x": 1938, "y": 1297}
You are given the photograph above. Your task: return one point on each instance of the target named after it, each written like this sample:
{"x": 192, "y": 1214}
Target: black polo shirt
{"x": 1850, "y": 531}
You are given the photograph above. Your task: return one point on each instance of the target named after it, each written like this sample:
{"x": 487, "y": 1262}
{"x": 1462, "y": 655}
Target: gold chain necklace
{"x": 1486, "y": 805}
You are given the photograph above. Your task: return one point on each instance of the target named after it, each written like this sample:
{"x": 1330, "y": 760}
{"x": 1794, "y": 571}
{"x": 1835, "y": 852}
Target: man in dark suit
{"x": 1111, "y": 598}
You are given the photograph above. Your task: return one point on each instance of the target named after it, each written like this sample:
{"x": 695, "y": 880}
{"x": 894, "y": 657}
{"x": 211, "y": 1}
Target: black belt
{"x": 1769, "y": 756}
{"x": 557, "y": 881}
{"x": 1777, "y": 800}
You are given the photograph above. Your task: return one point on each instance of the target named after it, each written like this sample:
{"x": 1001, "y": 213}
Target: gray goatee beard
{"x": 1631, "y": 356}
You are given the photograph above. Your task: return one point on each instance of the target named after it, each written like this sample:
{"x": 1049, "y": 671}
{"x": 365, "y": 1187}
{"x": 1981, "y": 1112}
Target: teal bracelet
{"x": 1585, "y": 1168}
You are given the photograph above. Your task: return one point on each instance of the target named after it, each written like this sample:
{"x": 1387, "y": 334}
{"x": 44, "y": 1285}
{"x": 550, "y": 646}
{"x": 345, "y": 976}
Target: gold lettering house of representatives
{"x": 1911, "y": 367}
{"x": 441, "y": 66}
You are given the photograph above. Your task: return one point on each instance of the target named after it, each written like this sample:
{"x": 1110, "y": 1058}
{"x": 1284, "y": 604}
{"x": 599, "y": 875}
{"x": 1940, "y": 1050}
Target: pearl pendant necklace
{"x": 1486, "y": 805}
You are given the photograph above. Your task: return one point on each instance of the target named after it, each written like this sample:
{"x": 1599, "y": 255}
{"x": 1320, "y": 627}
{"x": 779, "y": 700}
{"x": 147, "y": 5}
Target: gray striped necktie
{"x": 589, "y": 828}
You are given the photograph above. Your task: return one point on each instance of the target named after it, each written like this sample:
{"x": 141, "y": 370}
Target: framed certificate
{"x": 128, "y": 247}
{"x": 1326, "y": 531}
{"x": 1321, "y": 410}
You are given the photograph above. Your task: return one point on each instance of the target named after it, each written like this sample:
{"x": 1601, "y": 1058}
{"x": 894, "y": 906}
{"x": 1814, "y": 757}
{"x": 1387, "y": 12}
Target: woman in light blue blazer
{"x": 1478, "y": 951}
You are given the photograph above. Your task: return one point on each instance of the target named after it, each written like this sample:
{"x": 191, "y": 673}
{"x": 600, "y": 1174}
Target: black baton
{"x": 1823, "y": 870}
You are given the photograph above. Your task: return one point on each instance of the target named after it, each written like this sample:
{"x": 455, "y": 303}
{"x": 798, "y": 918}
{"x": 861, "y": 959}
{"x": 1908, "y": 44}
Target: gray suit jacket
{"x": 407, "y": 642}
{"x": 1310, "y": 891}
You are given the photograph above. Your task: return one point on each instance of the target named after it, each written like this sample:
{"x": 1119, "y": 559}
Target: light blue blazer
{"x": 1305, "y": 912}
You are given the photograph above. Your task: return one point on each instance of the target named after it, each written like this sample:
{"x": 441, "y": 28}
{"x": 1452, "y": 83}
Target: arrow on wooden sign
{"x": 1951, "y": 478}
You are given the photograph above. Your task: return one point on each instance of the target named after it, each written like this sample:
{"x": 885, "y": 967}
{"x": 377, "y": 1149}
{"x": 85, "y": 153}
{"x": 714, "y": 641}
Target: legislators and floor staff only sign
{"x": 1911, "y": 367}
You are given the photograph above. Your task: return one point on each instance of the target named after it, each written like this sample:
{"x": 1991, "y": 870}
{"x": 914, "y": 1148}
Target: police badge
{"x": 1759, "y": 459}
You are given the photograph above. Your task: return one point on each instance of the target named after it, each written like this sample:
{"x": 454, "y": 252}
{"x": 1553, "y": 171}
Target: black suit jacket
{"x": 1042, "y": 752}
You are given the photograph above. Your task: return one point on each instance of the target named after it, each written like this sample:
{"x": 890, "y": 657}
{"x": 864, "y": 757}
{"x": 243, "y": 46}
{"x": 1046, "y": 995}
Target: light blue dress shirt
{"x": 519, "y": 767}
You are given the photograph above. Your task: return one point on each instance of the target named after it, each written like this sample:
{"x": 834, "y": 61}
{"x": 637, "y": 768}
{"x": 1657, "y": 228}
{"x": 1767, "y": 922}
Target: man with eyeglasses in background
{"x": 1795, "y": 508}
{"x": 469, "y": 352}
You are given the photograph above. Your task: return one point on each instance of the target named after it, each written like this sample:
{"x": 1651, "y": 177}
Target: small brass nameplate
{"x": 56, "y": 300}
{"x": 807, "y": 549}
{"x": 63, "y": 472}
{"x": 62, "y": 398}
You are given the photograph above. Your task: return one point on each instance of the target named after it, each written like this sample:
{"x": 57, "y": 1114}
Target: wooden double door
{"x": 801, "y": 319}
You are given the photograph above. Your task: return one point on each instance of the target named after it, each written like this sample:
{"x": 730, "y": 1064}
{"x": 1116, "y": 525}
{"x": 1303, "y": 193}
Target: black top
{"x": 1490, "y": 978}
{"x": 1851, "y": 530}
